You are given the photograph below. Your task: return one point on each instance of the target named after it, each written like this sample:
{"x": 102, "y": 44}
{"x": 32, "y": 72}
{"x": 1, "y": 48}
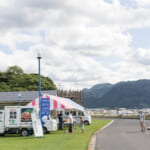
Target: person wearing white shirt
{"x": 142, "y": 119}
{"x": 70, "y": 122}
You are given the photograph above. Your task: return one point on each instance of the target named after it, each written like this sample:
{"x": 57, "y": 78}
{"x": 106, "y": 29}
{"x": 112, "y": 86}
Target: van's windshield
{"x": 80, "y": 113}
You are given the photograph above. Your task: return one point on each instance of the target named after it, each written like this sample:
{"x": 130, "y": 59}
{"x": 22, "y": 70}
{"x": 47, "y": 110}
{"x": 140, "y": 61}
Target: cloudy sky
{"x": 82, "y": 42}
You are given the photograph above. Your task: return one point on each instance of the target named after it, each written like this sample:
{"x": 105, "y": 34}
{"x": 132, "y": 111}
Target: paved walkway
{"x": 123, "y": 135}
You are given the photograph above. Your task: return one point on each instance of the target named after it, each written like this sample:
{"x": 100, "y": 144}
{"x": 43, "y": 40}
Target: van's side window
{"x": 80, "y": 113}
{"x": 12, "y": 115}
{"x": 73, "y": 113}
{"x": 67, "y": 113}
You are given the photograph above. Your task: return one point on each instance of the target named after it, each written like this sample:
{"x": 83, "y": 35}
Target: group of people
{"x": 70, "y": 117}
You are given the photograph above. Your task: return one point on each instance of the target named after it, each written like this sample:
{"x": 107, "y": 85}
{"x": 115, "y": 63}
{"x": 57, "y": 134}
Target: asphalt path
{"x": 123, "y": 135}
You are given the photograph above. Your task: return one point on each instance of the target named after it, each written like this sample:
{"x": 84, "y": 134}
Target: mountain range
{"x": 130, "y": 94}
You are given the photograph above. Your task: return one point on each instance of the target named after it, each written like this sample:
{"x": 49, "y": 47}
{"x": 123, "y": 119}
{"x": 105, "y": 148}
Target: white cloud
{"x": 64, "y": 68}
{"x": 31, "y": 14}
{"x": 142, "y": 56}
{"x": 6, "y": 3}
{"x": 68, "y": 34}
{"x": 90, "y": 41}
{"x": 11, "y": 39}
{"x": 143, "y": 2}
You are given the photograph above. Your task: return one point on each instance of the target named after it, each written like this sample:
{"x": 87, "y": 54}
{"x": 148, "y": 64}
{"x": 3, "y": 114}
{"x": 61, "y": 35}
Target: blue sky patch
{"x": 107, "y": 60}
{"x": 5, "y": 49}
{"x": 26, "y": 32}
{"x": 140, "y": 37}
{"x": 24, "y": 45}
{"x": 108, "y": 1}
{"x": 129, "y": 3}
{"x": 41, "y": 33}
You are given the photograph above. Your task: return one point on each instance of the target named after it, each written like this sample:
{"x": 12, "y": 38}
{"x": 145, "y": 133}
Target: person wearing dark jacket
{"x": 60, "y": 117}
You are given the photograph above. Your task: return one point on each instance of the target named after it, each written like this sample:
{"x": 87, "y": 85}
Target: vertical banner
{"x": 45, "y": 109}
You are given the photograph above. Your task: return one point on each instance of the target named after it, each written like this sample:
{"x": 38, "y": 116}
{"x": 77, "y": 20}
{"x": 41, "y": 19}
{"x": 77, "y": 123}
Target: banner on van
{"x": 26, "y": 114}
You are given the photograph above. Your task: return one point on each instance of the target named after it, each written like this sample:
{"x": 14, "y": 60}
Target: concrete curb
{"x": 91, "y": 145}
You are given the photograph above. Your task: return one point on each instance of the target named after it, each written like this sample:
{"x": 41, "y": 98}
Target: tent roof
{"x": 58, "y": 103}
{"x": 79, "y": 107}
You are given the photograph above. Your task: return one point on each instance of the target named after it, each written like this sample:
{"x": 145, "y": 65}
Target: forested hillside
{"x": 131, "y": 94}
{"x": 14, "y": 79}
{"x": 93, "y": 95}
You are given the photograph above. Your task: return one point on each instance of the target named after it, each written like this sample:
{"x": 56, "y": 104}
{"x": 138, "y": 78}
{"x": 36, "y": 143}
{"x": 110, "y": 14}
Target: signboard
{"x": 45, "y": 109}
{"x": 36, "y": 123}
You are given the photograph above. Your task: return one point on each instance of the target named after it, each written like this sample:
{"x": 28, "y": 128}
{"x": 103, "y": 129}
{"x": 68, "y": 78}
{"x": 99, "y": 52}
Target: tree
{"x": 15, "y": 70}
{"x": 14, "y": 79}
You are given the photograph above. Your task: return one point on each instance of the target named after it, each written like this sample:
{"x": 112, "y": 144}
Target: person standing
{"x": 119, "y": 114}
{"x": 142, "y": 120}
{"x": 60, "y": 117}
{"x": 82, "y": 124}
{"x": 70, "y": 122}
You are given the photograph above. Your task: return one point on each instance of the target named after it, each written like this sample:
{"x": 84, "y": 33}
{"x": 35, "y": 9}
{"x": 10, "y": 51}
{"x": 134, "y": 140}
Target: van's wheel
{"x": 86, "y": 122}
{"x": 44, "y": 130}
{"x": 24, "y": 132}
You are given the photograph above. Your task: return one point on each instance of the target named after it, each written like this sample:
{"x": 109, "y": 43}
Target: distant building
{"x": 12, "y": 98}
{"x": 76, "y": 96}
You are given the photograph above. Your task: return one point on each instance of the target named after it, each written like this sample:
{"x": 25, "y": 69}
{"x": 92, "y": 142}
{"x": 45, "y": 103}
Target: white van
{"x": 17, "y": 119}
{"x": 77, "y": 114}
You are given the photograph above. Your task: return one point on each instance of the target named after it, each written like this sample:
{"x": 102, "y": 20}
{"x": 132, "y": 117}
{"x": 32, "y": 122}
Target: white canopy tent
{"x": 58, "y": 103}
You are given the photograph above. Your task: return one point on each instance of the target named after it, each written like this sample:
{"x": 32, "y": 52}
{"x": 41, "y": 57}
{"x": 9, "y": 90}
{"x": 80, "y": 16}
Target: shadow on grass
{"x": 10, "y": 136}
{"x": 76, "y": 131}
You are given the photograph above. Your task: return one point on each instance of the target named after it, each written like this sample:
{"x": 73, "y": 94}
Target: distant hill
{"x": 95, "y": 93}
{"x": 131, "y": 94}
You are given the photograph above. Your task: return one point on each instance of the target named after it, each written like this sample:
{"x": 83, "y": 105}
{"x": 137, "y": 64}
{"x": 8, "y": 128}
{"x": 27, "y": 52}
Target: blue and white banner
{"x": 45, "y": 109}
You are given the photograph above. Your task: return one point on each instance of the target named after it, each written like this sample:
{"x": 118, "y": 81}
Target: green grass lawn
{"x": 58, "y": 140}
